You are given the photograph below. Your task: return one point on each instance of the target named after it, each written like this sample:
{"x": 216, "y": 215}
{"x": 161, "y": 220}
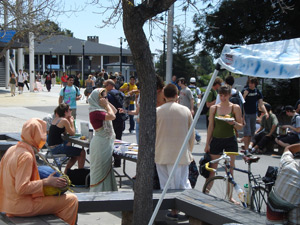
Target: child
{"x": 12, "y": 83}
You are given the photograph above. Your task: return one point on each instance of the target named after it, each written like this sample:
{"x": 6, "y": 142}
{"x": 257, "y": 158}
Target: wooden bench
{"x": 35, "y": 220}
{"x": 201, "y": 208}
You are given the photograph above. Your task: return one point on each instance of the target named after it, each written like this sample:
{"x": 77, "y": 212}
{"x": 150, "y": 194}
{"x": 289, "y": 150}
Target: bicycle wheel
{"x": 259, "y": 200}
{"x": 219, "y": 187}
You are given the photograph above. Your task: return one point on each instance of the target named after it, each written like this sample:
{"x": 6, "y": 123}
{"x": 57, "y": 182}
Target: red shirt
{"x": 64, "y": 78}
{"x": 97, "y": 118}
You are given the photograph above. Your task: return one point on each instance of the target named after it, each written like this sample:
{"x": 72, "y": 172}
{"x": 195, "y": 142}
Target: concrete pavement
{"x": 14, "y": 111}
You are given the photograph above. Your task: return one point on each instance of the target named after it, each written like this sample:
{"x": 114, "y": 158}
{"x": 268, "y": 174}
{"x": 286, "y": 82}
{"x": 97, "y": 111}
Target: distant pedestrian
{"x": 64, "y": 79}
{"x": 212, "y": 96}
{"x": 129, "y": 90}
{"x": 48, "y": 81}
{"x": 21, "y": 79}
{"x": 53, "y": 78}
{"x": 89, "y": 84}
{"x": 77, "y": 80}
{"x": 26, "y": 78}
{"x": 12, "y": 84}
{"x": 69, "y": 95}
{"x": 196, "y": 92}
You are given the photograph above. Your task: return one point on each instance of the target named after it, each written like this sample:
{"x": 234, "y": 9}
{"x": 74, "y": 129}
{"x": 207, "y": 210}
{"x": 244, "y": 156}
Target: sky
{"x": 84, "y": 23}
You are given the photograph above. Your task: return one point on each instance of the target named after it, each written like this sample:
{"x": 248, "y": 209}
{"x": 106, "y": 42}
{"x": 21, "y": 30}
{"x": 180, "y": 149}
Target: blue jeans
{"x": 65, "y": 149}
{"x": 197, "y": 136}
{"x": 131, "y": 120}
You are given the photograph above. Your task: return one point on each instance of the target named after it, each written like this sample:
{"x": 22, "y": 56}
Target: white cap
{"x": 193, "y": 80}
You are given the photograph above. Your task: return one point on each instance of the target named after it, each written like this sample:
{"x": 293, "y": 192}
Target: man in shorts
{"x": 253, "y": 97}
{"x": 69, "y": 95}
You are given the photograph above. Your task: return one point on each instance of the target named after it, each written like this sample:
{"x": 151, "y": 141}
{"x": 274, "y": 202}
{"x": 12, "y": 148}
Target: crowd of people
{"x": 112, "y": 101}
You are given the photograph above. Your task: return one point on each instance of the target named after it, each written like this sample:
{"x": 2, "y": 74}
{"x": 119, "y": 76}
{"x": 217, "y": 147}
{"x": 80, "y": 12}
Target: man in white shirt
{"x": 21, "y": 79}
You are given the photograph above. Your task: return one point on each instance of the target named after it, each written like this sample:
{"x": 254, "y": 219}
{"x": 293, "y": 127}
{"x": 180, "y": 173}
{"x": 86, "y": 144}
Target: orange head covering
{"x": 34, "y": 132}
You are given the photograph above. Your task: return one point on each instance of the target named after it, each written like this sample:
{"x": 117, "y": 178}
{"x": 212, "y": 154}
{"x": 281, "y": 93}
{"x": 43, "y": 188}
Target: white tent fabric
{"x": 278, "y": 59}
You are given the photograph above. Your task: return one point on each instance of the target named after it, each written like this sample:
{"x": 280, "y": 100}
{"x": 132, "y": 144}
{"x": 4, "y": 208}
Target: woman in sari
{"x": 101, "y": 147}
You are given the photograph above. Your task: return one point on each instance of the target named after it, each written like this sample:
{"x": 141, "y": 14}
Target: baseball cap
{"x": 193, "y": 80}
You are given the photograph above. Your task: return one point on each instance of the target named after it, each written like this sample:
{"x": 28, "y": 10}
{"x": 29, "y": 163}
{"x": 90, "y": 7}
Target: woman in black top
{"x": 64, "y": 123}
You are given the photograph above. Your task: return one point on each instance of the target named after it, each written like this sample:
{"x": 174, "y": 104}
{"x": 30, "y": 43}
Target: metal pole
{"x": 31, "y": 61}
{"x": 50, "y": 59}
{"x": 83, "y": 43}
{"x": 70, "y": 47}
{"x": 170, "y": 45}
{"x": 121, "y": 42}
{"x": 186, "y": 140}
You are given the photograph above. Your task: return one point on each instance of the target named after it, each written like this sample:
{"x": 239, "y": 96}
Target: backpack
{"x": 119, "y": 100}
{"x": 105, "y": 76}
{"x": 270, "y": 177}
{"x": 205, "y": 108}
{"x": 235, "y": 99}
{"x": 194, "y": 92}
{"x": 64, "y": 90}
{"x": 205, "y": 159}
{"x": 99, "y": 82}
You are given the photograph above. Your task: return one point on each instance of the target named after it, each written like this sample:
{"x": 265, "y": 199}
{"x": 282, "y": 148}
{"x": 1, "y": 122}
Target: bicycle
{"x": 222, "y": 186}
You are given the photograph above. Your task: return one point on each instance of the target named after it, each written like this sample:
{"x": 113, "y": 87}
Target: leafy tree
{"x": 49, "y": 27}
{"x": 246, "y": 22}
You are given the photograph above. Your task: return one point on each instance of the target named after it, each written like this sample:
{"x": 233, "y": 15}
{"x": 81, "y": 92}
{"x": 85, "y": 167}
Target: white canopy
{"x": 278, "y": 59}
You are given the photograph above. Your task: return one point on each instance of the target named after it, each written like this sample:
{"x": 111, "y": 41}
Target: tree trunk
{"x": 134, "y": 18}
{"x": 146, "y": 75}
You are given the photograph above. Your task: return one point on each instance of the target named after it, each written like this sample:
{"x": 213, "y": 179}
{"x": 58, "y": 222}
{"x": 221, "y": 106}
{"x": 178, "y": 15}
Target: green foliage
{"x": 281, "y": 92}
{"x": 57, "y": 80}
{"x": 49, "y": 27}
{"x": 246, "y": 22}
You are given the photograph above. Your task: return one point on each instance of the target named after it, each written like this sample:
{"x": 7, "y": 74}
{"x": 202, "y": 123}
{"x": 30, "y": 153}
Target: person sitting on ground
{"x": 266, "y": 133}
{"x": 63, "y": 123}
{"x": 21, "y": 189}
{"x": 292, "y": 136}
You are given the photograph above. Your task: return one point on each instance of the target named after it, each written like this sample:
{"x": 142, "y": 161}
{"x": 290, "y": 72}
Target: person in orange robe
{"x": 21, "y": 189}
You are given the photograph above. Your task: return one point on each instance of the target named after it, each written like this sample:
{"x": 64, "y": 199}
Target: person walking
{"x": 21, "y": 79}
{"x": 77, "y": 80}
{"x": 26, "y": 78}
{"x": 101, "y": 114}
{"x": 48, "y": 81}
{"x": 196, "y": 92}
{"x": 53, "y": 78}
{"x": 130, "y": 89}
{"x": 12, "y": 84}
{"x": 221, "y": 134}
{"x": 169, "y": 137}
{"x": 212, "y": 96}
{"x": 69, "y": 95}
{"x": 64, "y": 79}
{"x": 89, "y": 84}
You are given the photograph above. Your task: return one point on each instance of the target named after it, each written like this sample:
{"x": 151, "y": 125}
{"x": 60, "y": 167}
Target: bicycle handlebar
{"x": 224, "y": 156}
{"x": 232, "y": 153}
{"x": 208, "y": 168}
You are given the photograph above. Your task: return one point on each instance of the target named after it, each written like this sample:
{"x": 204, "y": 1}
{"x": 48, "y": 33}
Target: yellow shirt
{"x": 131, "y": 87}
